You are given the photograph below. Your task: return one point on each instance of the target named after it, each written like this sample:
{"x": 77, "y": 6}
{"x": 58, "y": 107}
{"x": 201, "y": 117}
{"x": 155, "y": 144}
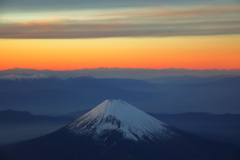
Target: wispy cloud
{"x": 209, "y": 19}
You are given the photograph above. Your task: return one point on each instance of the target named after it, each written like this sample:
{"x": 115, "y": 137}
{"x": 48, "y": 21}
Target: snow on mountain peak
{"x": 117, "y": 115}
{"x": 20, "y": 77}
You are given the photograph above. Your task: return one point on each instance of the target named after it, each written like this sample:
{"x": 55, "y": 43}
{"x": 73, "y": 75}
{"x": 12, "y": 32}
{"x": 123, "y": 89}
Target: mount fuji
{"x": 118, "y": 117}
{"x": 116, "y": 130}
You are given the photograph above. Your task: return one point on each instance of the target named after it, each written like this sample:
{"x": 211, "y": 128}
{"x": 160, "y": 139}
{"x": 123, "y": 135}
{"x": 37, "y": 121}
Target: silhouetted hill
{"x": 199, "y": 118}
{"x": 24, "y": 117}
{"x": 230, "y": 81}
{"x": 129, "y": 84}
{"x": 224, "y": 128}
{"x": 187, "y": 79}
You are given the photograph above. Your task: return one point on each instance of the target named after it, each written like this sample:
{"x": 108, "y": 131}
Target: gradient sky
{"x": 76, "y": 34}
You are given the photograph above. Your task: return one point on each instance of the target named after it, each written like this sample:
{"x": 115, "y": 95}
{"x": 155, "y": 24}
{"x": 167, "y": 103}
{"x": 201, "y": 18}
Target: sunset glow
{"x": 185, "y": 35}
{"x": 220, "y": 52}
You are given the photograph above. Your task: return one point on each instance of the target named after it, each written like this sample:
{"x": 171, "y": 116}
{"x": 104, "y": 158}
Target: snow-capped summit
{"x": 117, "y": 116}
{"x": 27, "y": 77}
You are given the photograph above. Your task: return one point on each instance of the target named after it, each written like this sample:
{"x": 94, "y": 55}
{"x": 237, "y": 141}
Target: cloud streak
{"x": 211, "y": 19}
{"x": 63, "y": 5}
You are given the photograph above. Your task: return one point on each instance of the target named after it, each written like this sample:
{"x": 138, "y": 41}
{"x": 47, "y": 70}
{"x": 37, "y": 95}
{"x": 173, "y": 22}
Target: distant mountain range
{"x": 51, "y": 95}
{"x": 129, "y": 73}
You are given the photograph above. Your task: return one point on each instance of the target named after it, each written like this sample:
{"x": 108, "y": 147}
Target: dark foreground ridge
{"x": 110, "y": 132}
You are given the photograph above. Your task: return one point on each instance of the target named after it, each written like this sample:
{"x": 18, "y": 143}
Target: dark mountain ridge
{"x": 46, "y": 96}
{"x": 130, "y": 73}
{"x": 16, "y": 117}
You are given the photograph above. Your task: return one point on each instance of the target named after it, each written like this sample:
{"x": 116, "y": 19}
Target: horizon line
{"x": 17, "y": 68}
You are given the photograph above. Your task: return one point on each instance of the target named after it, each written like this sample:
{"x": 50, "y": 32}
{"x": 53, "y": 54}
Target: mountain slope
{"x": 115, "y": 130}
{"x": 119, "y": 116}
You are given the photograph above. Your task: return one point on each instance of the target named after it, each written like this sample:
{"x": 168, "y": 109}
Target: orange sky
{"x": 199, "y": 52}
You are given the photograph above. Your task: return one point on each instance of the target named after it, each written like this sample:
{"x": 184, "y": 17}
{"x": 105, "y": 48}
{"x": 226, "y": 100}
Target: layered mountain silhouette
{"x": 42, "y": 94}
{"x": 116, "y": 130}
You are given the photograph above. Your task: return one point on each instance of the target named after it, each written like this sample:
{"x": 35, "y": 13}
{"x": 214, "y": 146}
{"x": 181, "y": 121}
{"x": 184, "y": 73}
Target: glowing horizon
{"x": 200, "y": 52}
{"x": 80, "y": 34}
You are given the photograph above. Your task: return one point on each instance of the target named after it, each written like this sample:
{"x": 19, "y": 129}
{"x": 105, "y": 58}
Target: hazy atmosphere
{"x": 119, "y": 80}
